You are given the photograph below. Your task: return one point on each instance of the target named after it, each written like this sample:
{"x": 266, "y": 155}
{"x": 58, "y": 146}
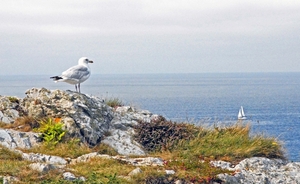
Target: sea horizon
{"x": 150, "y": 73}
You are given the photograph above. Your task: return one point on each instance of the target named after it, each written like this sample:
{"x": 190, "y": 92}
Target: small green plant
{"x": 52, "y": 131}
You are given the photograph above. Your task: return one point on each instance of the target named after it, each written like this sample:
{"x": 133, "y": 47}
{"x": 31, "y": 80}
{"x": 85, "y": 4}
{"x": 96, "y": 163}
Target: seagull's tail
{"x": 56, "y": 78}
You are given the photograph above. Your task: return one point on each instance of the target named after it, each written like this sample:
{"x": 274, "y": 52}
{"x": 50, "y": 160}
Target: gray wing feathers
{"x": 76, "y": 72}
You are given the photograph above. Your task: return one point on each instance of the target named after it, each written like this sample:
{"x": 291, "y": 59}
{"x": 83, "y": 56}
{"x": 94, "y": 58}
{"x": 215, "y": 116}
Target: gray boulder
{"x": 84, "y": 117}
{"x": 121, "y": 130}
{"x": 120, "y": 137}
{"x": 69, "y": 176}
{"x": 38, "y": 157}
{"x": 15, "y": 139}
{"x": 9, "y": 109}
{"x": 260, "y": 170}
{"x": 135, "y": 171}
{"x": 43, "y": 168}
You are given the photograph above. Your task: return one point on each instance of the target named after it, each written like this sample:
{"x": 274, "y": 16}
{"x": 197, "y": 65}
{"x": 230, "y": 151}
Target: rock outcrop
{"x": 85, "y": 117}
{"x": 15, "y": 139}
{"x": 260, "y": 170}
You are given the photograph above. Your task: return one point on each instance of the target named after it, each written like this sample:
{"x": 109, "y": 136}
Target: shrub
{"x": 160, "y": 134}
{"x": 52, "y": 131}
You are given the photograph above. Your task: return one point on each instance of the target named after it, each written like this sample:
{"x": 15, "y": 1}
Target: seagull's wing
{"x": 78, "y": 72}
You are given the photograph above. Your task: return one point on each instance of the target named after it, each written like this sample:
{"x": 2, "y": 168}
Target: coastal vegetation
{"x": 113, "y": 102}
{"x": 51, "y": 131}
{"x": 185, "y": 148}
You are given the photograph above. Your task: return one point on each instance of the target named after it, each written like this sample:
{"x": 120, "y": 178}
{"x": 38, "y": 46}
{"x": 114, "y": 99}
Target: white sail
{"x": 241, "y": 114}
{"x": 242, "y": 111}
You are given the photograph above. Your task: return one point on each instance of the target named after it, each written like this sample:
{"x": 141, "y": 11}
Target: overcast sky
{"x": 150, "y": 36}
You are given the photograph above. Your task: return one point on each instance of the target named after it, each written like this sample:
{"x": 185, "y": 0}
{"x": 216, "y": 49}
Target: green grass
{"x": 100, "y": 170}
{"x": 230, "y": 143}
{"x": 7, "y": 154}
{"x": 71, "y": 148}
{"x": 11, "y": 162}
{"x": 103, "y": 170}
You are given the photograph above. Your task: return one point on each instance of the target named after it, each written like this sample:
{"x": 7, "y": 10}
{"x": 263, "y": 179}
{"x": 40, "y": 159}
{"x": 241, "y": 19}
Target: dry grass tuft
{"x": 7, "y": 154}
{"x": 105, "y": 149}
{"x": 114, "y": 102}
{"x": 71, "y": 148}
{"x": 23, "y": 124}
{"x": 10, "y": 162}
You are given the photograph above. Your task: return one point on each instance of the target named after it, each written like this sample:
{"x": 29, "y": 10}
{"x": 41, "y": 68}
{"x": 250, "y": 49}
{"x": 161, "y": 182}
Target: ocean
{"x": 270, "y": 100}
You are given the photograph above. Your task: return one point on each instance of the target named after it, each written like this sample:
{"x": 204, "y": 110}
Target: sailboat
{"x": 241, "y": 114}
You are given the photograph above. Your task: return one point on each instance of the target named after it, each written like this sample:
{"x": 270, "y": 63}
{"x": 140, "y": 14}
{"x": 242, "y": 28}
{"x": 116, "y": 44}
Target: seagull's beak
{"x": 91, "y": 61}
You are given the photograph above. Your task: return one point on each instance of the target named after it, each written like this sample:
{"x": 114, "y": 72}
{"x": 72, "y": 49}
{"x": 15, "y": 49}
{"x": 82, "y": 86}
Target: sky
{"x": 149, "y": 36}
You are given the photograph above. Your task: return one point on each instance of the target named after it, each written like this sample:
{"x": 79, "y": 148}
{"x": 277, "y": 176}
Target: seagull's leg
{"x": 76, "y": 87}
{"x": 79, "y": 87}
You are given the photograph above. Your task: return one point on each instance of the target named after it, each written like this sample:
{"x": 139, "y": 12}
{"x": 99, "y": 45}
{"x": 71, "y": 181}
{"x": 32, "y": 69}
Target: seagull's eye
{"x": 86, "y": 59}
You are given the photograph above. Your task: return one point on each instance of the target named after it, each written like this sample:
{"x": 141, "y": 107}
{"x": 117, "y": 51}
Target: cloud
{"x": 151, "y": 35}
{"x": 145, "y": 17}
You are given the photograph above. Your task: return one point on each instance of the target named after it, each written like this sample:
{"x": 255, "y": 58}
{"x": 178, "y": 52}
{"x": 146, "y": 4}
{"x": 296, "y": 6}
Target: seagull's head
{"x": 84, "y": 61}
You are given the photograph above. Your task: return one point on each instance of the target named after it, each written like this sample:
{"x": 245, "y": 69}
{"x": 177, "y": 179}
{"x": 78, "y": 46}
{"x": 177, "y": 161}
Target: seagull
{"x": 76, "y": 74}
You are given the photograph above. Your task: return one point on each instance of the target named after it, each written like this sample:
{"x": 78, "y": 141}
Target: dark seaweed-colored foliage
{"x": 161, "y": 134}
{"x": 159, "y": 180}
